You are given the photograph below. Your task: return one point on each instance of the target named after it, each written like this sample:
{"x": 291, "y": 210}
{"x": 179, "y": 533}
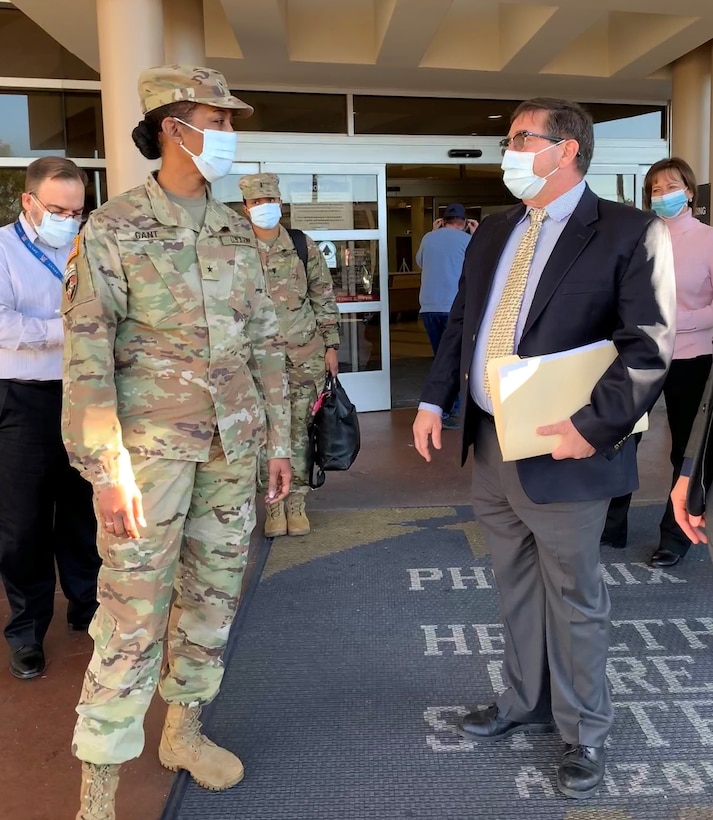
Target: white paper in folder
{"x": 529, "y": 393}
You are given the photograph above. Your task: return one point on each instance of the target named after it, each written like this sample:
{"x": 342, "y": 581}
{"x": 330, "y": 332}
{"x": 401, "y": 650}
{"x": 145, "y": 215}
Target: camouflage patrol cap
{"x": 257, "y": 186}
{"x": 167, "y": 84}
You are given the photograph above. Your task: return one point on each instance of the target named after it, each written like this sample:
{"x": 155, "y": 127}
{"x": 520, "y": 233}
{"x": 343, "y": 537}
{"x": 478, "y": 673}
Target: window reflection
{"x": 360, "y": 344}
{"x": 322, "y": 202}
{"x": 615, "y": 187}
{"x": 83, "y": 124}
{"x": 297, "y": 113}
{"x": 12, "y": 184}
{"x": 316, "y": 202}
{"x": 40, "y": 123}
{"x": 491, "y": 118}
{"x": 354, "y": 265}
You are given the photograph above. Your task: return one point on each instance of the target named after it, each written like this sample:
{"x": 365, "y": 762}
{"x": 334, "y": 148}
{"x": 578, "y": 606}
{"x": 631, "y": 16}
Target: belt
{"x": 34, "y": 382}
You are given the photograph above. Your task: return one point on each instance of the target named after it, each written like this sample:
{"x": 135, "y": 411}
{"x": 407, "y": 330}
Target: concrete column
{"x": 130, "y": 40}
{"x": 691, "y": 110}
{"x": 184, "y": 32}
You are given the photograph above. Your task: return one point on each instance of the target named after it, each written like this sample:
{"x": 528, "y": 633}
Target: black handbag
{"x": 334, "y": 438}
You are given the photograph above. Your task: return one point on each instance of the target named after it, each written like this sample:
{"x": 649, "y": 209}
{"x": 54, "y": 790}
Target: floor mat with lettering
{"x": 366, "y": 640}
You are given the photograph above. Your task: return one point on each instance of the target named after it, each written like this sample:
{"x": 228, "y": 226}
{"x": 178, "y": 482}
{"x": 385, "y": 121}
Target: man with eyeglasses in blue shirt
{"x": 46, "y": 513}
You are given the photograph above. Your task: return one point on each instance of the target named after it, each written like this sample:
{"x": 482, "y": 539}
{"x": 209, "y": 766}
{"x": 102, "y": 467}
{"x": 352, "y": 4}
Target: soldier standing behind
{"x": 173, "y": 360}
{"x": 309, "y": 321}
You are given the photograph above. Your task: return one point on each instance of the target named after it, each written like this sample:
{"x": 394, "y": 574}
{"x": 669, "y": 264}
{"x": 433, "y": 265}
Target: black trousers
{"x": 616, "y": 529}
{"x": 46, "y": 515}
{"x": 682, "y": 390}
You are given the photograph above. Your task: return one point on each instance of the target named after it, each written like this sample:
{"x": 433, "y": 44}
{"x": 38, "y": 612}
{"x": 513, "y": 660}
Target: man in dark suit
{"x": 561, "y": 270}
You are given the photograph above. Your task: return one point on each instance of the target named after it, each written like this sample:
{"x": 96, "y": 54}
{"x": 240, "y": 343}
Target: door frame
{"x": 369, "y": 389}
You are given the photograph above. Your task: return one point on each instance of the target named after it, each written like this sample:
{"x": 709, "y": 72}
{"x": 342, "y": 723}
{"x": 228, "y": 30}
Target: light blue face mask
{"x": 54, "y": 232}
{"x": 669, "y": 205}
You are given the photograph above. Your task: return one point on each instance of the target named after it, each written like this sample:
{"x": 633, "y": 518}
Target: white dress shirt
{"x": 31, "y": 332}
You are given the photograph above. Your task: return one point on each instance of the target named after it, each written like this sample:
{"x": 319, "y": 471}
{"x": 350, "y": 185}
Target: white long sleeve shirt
{"x": 31, "y": 333}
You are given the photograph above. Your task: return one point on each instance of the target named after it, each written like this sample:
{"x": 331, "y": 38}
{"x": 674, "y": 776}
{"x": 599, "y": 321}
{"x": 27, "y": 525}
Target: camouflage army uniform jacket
{"x": 304, "y": 301}
{"x": 169, "y": 336}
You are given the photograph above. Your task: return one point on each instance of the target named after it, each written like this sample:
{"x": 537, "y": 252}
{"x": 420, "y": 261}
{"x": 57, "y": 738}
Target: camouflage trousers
{"x": 199, "y": 520}
{"x": 305, "y": 382}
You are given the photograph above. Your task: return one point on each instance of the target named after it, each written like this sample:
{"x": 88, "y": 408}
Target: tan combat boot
{"x": 275, "y": 523}
{"x": 99, "y": 784}
{"x": 184, "y": 747}
{"x": 297, "y": 521}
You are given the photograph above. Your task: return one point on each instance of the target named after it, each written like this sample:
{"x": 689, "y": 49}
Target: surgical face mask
{"x": 54, "y": 232}
{"x": 266, "y": 215}
{"x": 519, "y": 174}
{"x": 218, "y": 154}
{"x": 669, "y": 205}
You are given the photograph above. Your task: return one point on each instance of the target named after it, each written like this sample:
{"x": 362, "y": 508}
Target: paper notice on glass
{"x": 529, "y": 393}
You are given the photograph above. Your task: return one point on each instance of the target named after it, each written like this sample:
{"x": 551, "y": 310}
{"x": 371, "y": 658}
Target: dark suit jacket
{"x": 699, "y": 452}
{"x": 610, "y": 276}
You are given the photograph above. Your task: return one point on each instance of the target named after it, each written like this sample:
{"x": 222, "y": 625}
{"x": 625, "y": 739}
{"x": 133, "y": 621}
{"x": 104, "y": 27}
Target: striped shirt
{"x": 31, "y": 333}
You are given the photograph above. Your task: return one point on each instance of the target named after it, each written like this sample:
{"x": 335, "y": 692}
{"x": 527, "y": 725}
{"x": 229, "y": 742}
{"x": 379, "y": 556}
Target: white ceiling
{"x": 586, "y": 49}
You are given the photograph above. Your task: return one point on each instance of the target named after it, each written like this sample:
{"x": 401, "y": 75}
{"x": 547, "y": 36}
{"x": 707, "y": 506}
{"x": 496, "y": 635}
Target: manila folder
{"x": 529, "y": 393}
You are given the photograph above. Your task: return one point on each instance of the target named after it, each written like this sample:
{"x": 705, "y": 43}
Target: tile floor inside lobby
{"x": 39, "y": 779}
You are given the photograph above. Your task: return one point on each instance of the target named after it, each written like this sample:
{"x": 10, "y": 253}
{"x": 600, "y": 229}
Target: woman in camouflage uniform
{"x": 309, "y": 322}
{"x": 173, "y": 365}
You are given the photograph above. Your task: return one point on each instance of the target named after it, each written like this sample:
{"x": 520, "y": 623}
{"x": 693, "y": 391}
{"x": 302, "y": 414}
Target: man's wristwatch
{"x": 331, "y": 347}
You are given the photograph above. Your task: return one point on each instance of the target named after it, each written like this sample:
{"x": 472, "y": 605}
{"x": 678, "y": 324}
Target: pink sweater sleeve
{"x": 693, "y": 259}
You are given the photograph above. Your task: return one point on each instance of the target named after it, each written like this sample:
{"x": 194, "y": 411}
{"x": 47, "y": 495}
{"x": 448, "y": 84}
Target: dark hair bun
{"x": 146, "y": 140}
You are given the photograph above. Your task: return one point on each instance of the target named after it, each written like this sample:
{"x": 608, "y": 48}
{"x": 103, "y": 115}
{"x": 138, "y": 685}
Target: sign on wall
{"x": 702, "y": 211}
{"x": 322, "y": 216}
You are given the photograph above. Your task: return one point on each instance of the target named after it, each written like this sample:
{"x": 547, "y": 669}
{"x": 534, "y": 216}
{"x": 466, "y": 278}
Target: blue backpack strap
{"x": 299, "y": 240}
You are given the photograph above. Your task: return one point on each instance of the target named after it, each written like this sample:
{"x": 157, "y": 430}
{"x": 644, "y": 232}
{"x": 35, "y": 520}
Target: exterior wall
{"x": 691, "y": 110}
{"x": 169, "y": 30}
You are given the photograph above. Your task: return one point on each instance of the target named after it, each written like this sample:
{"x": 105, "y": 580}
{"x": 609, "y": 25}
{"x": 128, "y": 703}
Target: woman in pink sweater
{"x": 670, "y": 191}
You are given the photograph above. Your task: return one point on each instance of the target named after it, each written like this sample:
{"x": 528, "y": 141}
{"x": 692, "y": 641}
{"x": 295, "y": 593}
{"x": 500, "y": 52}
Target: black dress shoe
{"x": 27, "y": 662}
{"x": 79, "y": 626}
{"x": 581, "y": 771}
{"x": 486, "y": 724}
{"x": 79, "y": 616}
{"x": 664, "y": 558}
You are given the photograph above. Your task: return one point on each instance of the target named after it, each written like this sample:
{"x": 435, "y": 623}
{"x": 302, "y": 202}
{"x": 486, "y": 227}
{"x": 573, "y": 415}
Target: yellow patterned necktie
{"x": 501, "y": 340}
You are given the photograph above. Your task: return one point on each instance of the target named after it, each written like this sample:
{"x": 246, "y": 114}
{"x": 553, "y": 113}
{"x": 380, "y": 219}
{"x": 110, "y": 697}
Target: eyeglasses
{"x": 517, "y": 141}
{"x": 58, "y": 214}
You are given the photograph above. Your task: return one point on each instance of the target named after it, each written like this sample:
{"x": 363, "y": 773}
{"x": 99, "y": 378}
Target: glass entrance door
{"x": 619, "y": 183}
{"x": 343, "y": 209}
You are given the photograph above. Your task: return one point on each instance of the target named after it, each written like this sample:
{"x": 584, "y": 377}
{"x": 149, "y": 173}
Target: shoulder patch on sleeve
{"x": 78, "y": 284}
{"x": 70, "y": 284}
{"x": 74, "y": 250}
